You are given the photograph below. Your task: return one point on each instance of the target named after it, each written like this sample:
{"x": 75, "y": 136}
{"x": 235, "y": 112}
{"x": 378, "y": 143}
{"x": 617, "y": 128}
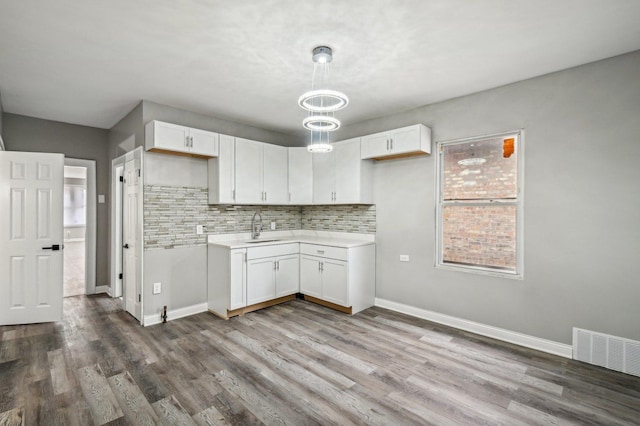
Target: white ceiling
{"x": 90, "y": 62}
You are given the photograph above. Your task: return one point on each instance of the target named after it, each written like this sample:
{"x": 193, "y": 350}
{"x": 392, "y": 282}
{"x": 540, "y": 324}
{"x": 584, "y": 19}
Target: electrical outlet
{"x": 199, "y": 229}
{"x": 157, "y": 288}
{"x": 404, "y": 258}
{"x": 273, "y": 226}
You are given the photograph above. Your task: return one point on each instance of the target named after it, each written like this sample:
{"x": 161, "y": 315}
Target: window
{"x": 479, "y": 217}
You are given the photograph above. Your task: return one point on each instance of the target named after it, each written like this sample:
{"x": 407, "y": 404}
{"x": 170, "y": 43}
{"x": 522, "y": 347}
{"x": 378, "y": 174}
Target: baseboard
{"x": 543, "y": 345}
{"x": 176, "y": 313}
{"x": 103, "y": 289}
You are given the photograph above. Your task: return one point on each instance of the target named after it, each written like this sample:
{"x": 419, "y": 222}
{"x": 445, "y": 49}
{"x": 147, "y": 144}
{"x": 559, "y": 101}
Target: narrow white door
{"x": 335, "y": 286}
{"x": 324, "y": 174}
{"x": 249, "y": 188}
{"x": 287, "y": 275}
{"x": 261, "y": 284}
{"x": 203, "y": 142}
{"x": 310, "y": 276}
{"x": 238, "y": 295}
{"x": 170, "y": 137}
{"x": 131, "y": 238}
{"x": 347, "y": 166}
{"x": 275, "y": 176}
{"x": 30, "y": 237}
{"x": 405, "y": 140}
{"x": 300, "y": 176}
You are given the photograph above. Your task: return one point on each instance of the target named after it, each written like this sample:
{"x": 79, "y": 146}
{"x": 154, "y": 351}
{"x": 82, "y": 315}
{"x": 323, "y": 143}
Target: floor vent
{"x": 607, "y": 351}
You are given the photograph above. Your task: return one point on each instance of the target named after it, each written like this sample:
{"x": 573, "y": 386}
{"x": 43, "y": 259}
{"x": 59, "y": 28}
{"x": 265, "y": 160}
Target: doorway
{"x": 79, "y": 220}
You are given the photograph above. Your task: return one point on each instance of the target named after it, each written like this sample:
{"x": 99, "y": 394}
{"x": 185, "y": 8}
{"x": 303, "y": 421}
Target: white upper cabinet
{"x": 180, "y": 140}
{"x": 341, "y": 177}
{"x": 222, "y": 173}
{"x": 300, "y": 176}
{"x": 403, "y": 142}
{"x": 261, "y": 173}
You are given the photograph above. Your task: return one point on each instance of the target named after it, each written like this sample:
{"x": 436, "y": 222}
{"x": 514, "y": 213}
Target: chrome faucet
{"x": 256, "y": 227}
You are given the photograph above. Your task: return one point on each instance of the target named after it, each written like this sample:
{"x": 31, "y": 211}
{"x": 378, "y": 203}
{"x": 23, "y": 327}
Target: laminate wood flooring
{"x": 291, "y": 364}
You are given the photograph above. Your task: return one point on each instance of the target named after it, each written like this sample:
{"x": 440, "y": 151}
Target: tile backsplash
{"x": 171, "y": 214}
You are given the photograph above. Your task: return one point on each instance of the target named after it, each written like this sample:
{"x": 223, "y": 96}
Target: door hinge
{"x": 139, "y": 298}
{"x": 120, "y": 276}
{"x": 121, "y": 178}
{"x": 139, "y": 173}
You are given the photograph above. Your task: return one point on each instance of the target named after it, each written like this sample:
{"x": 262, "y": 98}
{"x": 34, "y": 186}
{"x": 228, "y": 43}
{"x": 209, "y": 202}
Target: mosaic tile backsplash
{"x": 171, "y": 214}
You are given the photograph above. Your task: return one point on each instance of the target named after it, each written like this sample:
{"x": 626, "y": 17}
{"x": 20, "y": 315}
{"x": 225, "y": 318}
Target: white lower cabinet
{"x": 342, "y": 276}
{"x": 226, "y": 280}
{"x": 272, "y": 272}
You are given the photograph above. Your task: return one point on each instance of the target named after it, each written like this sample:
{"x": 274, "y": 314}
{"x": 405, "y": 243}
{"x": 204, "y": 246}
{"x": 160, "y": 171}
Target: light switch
{"x": 157, "y": 288}
{"x": 100, "y": 198}
{"x": 404, "y": 258}
{"x": 199, "y": 229}
{"x": 273, "y": 226}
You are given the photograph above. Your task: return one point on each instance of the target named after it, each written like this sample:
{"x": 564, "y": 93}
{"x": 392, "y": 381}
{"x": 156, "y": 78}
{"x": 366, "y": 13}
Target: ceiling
{"x": 91, "y": 62}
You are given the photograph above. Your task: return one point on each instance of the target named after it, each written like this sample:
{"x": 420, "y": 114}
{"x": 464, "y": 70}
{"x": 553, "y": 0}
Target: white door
{"x": 171, "y": 137}
{"x": 203, "y": 142}
{"x": 300, "y": 176}
{"x": 249, "y": 188}
{"x": 375, "y": 145}
{"x": 348, "y": 164}
{"x": 405, "y": 140}
{"x": 261, "y": 284}
{"x": 31, "y": 233}
{"x": 131, "y": 238}
{"x": 275, "y": 174}
{"x": 335, "y": 286}
{"x": 287, "y": 275}
{"x": 323, "y": 178}
{"x": 310, "y": 276}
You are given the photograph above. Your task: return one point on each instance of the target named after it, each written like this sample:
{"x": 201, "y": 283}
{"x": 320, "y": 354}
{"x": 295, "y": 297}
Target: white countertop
{"x": 325, "y": 238}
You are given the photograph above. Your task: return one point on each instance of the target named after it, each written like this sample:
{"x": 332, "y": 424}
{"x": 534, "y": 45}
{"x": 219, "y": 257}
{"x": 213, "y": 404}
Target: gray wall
{"x": 1, "y": 114}
{"x": 36, "y": 135}
{"x": 127, "y": 134}
{"x": 582, "y": 205}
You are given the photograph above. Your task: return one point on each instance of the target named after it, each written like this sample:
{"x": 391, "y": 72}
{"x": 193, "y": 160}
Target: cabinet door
{"x": 248, "y": 172}
{"x": 405, "y": 140}
{"x": 203, "y": 142}
{"x": 287, "y": 275}
{"x": 323, "y": 178}
{"x": 222, "y": 173}
{"x": 335, "y": 288}
{"x": 261, "y": 284}
{"x": 275, "y": 176}
{"x": 310, "y": 276}
{"x": 170, "y": 137}
{"x": 238, "y": 297}
{"x": 300, "y": 176}
{"x": 375, "y": 145}
{"x": 347, "y": 166}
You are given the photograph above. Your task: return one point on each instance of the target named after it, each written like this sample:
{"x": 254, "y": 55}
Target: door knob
{"x": 54, "y": 247}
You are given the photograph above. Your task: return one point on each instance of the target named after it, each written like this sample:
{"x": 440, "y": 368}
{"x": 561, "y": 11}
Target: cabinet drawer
{"x": 272, "y": 250}
{"x": 325, "y": 251}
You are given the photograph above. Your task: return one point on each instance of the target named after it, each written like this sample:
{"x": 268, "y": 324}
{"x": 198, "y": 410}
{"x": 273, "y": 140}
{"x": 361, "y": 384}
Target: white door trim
{"x": 91, "y": 222}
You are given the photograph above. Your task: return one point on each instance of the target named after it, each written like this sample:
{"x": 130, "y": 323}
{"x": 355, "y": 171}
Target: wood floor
{"x": 292, "y": 364}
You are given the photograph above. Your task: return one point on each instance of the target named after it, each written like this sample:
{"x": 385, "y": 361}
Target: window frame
{"x": 519, "y": 203}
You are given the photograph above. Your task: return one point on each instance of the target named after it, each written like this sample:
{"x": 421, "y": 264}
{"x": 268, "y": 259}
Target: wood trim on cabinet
{"x": 255, "y": 307}
{"x": 178, "y": 153}
{"x": 346, "y": 310}
{"x": 403, "y": 155}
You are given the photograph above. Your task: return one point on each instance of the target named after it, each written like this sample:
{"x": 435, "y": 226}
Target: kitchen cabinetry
{"x": 403, "y": 142}
{"x": 272, "y": 272}
{"x": 343, "y": 278}
{"x": 226, "y": 288}
{"x": 260, "y": 173}
{"x": 341, "y": 177}
{"x": 222, "y": 173}
{"x": 180, "y": 140}
{"x": 300, "y": 176}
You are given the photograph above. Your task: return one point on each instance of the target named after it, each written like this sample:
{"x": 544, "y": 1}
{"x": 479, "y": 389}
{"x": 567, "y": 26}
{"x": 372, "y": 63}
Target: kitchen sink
{"x": 260, "y": 241}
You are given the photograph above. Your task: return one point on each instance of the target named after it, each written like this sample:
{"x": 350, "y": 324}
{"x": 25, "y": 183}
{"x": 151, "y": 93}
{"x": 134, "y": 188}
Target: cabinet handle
{"x": 191, "y": 141}
{"x": 387, "y": 144}
{"x": 319, "y": 265}
{"x": 245, "y": 258}
{"x": 274, "y": 265}
{"x": 265, "y": 195}
{"x": 278, "y": 265}
{"x": 320, "y": 251}
{"x": 389, "y": 139}
{"x": 186, "y": 141}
